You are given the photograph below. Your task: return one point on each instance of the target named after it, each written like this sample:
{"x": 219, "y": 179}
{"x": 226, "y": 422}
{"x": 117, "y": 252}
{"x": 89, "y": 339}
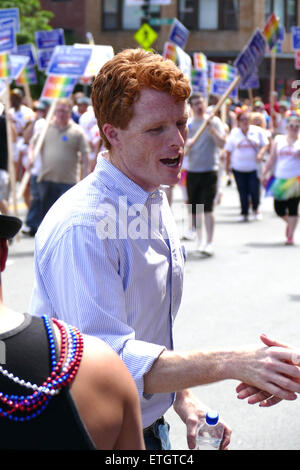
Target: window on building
{"x": 209, "y": 14}
{"x": 116, "y": 15}
{"x": 286, "y": 10}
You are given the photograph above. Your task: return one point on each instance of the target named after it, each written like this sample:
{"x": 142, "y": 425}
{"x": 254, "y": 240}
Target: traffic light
{"x": 146, "y": 15}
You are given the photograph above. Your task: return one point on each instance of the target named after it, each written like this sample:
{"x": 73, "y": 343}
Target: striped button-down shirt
{"x": 97, "y": 267}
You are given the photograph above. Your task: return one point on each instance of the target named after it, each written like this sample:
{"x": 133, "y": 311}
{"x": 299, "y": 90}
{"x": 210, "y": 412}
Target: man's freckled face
{"x": 150, "y": 149}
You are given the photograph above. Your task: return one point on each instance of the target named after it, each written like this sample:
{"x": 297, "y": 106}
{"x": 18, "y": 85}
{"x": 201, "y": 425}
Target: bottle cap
{"x": 212, "y": 417}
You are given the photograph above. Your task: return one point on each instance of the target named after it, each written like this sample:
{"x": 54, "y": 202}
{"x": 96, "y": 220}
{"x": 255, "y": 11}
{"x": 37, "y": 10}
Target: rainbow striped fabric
{"x": 4, "y": 65}
{"x": 223, "y": 72}
{"x": 170, "y": 51}
{"x": 200, "y": 61}
{"x": 58, "y": 86}
{"x": 271, "y": 30}
{"x": 283, "y": 189}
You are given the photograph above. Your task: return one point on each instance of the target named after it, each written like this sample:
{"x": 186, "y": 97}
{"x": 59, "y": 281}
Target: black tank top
{"x": 59, "y": 426}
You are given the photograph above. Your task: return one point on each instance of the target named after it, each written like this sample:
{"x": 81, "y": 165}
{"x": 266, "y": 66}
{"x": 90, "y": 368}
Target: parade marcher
{"x": 284, "y": 181}
{"x": 203, "y": 166}
{"x": 281, "y": 118}
{"x": 64, "y": 156}
{"x": 22, "y": 116}
{"x": 4, "y": 174}
{"x": 34, "y": 214}
{"x": 108, "y": 258}
{"x": 245, "y": 147}
{"x": 89, "y": 401}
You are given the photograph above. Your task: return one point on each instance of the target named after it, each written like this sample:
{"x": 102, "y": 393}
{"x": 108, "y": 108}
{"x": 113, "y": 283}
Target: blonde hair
{"x": 254, "y": 117}
{"x": 121, "y": 79}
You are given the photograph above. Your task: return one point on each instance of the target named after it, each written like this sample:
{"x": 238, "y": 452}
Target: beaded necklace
{"x": 63, "y": 371}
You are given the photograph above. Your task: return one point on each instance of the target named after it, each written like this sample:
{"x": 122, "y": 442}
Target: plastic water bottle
{"x": 210, "y": 432}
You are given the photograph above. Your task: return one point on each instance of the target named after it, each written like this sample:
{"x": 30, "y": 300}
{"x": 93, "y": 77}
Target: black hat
{"x": 9, "y": 226}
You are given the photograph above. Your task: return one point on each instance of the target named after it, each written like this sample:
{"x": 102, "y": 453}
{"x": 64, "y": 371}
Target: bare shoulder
{"x": 102, "y": 361}
{"x": 106, "y": 396}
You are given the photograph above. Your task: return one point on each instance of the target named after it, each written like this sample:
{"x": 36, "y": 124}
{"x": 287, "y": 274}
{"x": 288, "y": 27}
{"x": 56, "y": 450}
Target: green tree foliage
{"x": 32, "y": 18}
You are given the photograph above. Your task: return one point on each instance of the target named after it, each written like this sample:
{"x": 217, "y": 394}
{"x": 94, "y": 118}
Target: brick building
{"x": 218, "y": 28}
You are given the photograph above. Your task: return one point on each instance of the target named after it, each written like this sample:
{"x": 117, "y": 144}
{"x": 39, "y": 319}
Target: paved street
{"x": 250, "y": 286}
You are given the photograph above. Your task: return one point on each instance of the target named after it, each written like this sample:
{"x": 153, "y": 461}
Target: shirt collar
{"x": 115, "y": 179}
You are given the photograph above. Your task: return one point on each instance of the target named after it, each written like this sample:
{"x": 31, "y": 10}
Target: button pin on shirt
{"x": 64, "y": 138}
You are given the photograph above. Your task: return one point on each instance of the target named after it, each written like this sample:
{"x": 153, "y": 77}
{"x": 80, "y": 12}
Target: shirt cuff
{"x": 139, "y": 357}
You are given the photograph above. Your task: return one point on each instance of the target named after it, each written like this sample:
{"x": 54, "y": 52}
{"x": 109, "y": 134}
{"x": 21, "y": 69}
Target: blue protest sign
{"x": 245, "y": 63}
{"x": 43, "y": 58}
{"x": 26, "y": 50}
{"x": 251, "y": 56}
{"x": 257, "y": 46}
{"x": 199, "y": 81}
{"x": 252, "y": 82}
{"x": 17, "y": 64}
{"x": 69, "y": 60}
{"x": 295, "y": 30}
{"x": 49, "y": 39}
{"x": 7, "y": 39}
{"x": 178, "y": 34}
{"x": 11, "y": 14}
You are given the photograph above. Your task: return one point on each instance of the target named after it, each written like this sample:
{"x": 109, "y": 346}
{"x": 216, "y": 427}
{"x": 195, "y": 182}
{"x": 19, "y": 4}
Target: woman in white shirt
{"x": 284, "y": 186}
{"x": 245, "y": 147}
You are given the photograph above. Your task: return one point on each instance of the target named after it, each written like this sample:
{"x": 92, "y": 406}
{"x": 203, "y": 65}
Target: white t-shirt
{"x": 288, "y": 158}
{"x": 244, "y": 148}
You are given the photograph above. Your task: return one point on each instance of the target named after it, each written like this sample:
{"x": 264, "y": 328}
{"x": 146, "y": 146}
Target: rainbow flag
{"x": 4, "y": 65}
{"x": 200, "y": 61}
{"x": 170, "y": 51}
{"x": 271, "y": 30}
{"x": 58, "y": 86}
{"x": 223, "y": 72}
{"x": 27, "y": 75}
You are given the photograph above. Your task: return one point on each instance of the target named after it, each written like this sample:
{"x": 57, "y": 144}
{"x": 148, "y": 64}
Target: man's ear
{"x": 112, "y": 135}
{"x": 3, "y": 253}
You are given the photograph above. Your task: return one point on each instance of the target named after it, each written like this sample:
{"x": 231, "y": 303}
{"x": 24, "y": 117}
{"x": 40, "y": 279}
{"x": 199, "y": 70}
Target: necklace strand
{"x": 63, "y": 371}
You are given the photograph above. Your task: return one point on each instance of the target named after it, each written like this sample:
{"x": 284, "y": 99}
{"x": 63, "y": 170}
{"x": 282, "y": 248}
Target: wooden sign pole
{"x": 214, "y": 112}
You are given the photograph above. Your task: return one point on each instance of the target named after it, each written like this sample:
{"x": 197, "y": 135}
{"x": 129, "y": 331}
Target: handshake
{"x": 283, "y": 387}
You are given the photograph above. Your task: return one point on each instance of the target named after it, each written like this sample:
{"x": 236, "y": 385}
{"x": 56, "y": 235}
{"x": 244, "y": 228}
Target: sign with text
{"x": 43, "y": 58}
{"x": 179, "y": 34}
{"x": 252, "y": 82}
{"x": 11, "y": 14}
{"x": 49, "y": 39}
{"x": 100, "y": 55}
{"x": 69, "y": 60}
{"x": 26, "y": 50}
{"x": 252, "y": 55}
{"x": 295, "y": 31}
{"x": 7, "y": 37}
{"x": 17, "y": 64}
{"x": 199, "y": 81}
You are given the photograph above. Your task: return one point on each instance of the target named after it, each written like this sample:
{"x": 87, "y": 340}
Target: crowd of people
{"x": 123, "y": 290}
{"x": 68, "y": 151}
{"x": 258, "y": 146}
{"x": 242, "y": 143}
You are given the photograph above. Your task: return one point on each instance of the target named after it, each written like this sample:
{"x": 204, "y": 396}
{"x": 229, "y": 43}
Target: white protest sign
{"x": 100, "y": 55}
